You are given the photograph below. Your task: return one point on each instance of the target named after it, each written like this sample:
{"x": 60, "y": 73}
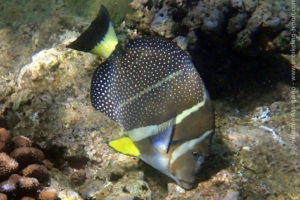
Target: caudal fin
{"x": 100, "y": 37}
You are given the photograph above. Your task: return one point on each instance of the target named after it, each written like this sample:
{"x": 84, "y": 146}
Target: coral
{"x": 3, "y": 196}
{"x": 7, "y": 165}
{"x": 37, "y": 171}
{"x": 4, "y": 138}
{"x": 10, "y": 185}
{"x": 21, "y": 141}
{"x": 26, "y": 155}
{"x": 28, "y": 198}
{"x": 28, "y": 183}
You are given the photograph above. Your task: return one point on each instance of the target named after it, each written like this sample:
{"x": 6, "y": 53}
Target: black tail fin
{"x": 99, "y": 38}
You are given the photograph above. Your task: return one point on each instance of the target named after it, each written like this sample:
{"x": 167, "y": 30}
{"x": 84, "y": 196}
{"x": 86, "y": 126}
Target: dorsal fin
{"x": 100, "y": 37}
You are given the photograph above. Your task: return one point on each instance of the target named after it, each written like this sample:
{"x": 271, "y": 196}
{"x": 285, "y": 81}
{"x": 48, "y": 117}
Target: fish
{"x": 153, "y": 90}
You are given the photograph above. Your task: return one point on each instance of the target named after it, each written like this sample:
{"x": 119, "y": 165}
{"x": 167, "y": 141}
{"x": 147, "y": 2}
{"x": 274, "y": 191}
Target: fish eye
{"x": 196, "y": 154}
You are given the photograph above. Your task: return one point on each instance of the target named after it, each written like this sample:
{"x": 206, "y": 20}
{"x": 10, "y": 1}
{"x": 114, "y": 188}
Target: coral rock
{"x": 48, "y": 194}
{"x": 3, "y": 196}
{"x": 4, "y": 135}
{"x": 28, "y": 198}
{"x": 4, "y": 138}
{"x": 21, "y": 141}
{"x": 26, "y": 155}
{"x": 37, "y": 171}
{"x": 7, "y": 165}
{"x": 10, "y": 185}
{"x": 2, "y": 146}
{"x": 28, "y": 184}
{"x": 14, "y": 178}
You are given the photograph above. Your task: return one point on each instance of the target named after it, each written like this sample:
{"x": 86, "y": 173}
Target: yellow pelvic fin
{"x": 107, "y": 45}
{"x": 126, "y": 146}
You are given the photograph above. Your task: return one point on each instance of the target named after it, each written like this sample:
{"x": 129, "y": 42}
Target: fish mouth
{"x": 186, "y": 184}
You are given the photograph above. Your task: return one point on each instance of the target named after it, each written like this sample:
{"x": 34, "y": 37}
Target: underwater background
{"x": 243, "y": 50}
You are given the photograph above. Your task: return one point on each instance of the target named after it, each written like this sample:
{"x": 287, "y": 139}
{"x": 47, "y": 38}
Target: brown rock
{"x": 37, "y": 171}
{"x": 28, "y": 184}
{"x": 27, "y": 198}
{"x": 48, "y": 194}
{"x": 3, "y": 196}
{"x": 2, "y": 146}
{"x": 10, "y": 185}
{"x": 28, "y": 155}
{"x": 14, "y": 178}
{"x": 4, "y": 138}
{"x": 7, "y": 165}
{"x": 4, "y": 135}
{"x": 21, "y": 141}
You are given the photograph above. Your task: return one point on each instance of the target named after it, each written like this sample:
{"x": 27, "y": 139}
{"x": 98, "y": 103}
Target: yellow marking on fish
{"x": 126, "y": 146}
{"x": 107, "y": 45}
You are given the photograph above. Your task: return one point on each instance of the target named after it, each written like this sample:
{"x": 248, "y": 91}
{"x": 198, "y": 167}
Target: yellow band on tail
{"x": 107, "y": 45}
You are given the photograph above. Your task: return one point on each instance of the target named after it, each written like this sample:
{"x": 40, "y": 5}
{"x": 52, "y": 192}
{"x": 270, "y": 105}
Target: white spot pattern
{"x": 147, "y": 83}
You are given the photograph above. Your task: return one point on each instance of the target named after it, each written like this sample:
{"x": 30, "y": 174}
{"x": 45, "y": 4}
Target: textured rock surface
{"x": 44, "y": 95}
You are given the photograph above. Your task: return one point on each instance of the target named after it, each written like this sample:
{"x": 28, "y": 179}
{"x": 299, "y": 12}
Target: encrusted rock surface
{"x": 246, "y": 25}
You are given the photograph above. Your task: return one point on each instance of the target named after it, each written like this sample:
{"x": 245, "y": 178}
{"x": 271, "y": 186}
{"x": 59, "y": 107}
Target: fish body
{"x": 152, "y": 89}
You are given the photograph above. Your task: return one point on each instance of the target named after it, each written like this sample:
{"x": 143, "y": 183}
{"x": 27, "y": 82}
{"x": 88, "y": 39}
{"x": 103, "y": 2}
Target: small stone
{"x": 3, "y": 196}
{"x": 8, "y": 187}
{"x": 27, "y": 198}
{"x": 2, "y": 146}
{"x": 4, "y": 138}
{"x": 4, "y": 135}
{"x": 14, "y": 178}
{"x": 21, "y": 141}
{"x": 7, "y": 165}
{"x": 27, "y": 155}
{"x": 48, "y": 194}
{"x": 37, "y": 171}
{"x": 28, "y": 184}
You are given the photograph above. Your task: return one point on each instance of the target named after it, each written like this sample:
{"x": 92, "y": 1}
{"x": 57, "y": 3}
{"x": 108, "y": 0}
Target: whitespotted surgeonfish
{"x": 152, "y": 89}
